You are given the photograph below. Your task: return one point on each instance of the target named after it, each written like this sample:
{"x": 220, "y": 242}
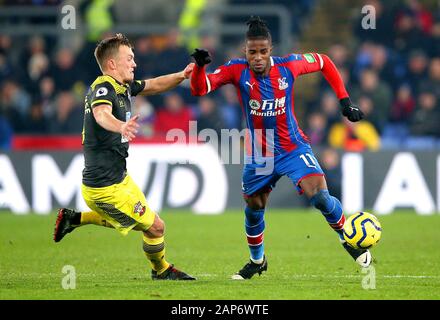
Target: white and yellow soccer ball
{"x": 362, "y": 230}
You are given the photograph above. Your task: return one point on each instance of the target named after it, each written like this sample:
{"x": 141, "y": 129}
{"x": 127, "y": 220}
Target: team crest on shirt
{"x": 282, "y": 84}
{"x": 139, "y": 209}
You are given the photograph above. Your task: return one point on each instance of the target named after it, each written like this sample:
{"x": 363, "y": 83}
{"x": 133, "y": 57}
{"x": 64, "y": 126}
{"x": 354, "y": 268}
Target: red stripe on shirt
{"x": 259, "y": 134}
{"x": 282, "y": 126}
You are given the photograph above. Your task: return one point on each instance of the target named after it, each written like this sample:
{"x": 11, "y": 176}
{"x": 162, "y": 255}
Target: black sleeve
{"x": 103, "y": 93}
{"x": 136, "y": 87}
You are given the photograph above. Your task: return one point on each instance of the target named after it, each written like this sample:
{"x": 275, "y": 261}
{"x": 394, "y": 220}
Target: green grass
{"x": 305, "y": 259}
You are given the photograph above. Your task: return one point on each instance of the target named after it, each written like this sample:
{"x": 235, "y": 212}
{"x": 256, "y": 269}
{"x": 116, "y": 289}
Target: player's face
{"x": 258, "y": 55}
{"x": 125, "y": 64}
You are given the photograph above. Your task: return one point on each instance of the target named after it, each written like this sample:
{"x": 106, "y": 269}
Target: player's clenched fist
{"x": 350, "y": 111}
{"x": 129, "y": 128}
{"x": 201, "y": 56}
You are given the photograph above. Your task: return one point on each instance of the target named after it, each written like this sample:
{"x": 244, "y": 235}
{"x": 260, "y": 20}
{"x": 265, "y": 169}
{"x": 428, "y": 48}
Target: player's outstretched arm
{"x": 104, "y": 117}
{"x": 198, "y": 83}
{"x": 166, "y": 82}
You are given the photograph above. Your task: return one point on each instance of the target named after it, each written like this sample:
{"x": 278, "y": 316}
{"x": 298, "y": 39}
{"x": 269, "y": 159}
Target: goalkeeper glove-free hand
{"x": 201, "y": 56}
{"x": 350, "y": 111}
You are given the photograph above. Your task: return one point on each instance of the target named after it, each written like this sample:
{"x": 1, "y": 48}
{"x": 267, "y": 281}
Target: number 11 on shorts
{"x": 311, "y": 163}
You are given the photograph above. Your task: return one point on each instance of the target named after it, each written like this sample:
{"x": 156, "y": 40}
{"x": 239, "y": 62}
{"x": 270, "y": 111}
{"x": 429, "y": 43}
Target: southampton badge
{"x": 139, "y": 208}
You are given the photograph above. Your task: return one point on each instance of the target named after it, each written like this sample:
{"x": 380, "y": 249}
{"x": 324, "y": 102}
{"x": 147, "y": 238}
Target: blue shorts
{"x": 263, "y": 176}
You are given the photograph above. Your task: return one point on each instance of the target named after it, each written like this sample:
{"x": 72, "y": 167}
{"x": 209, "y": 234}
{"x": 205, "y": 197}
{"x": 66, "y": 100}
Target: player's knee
{"x": 255, "y": 202}
{"x": 323, "y": 201}
{"x": 157, "y": 229}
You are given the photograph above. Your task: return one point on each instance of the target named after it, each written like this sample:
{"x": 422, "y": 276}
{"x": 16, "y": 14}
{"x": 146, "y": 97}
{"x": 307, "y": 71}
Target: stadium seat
{"x": 420, "y": 143}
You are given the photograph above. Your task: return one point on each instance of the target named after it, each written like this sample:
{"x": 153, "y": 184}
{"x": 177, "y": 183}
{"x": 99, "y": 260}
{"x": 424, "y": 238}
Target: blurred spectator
{"x": 423, "y": 18}
{"x": 174, "y": 56}
{"x": 384, "y": 64}
{"x": 36, "y": 62}
{"x": 317, "y": 128}
{"x": 69, "y": 116}
{"x": 417, "y": 69}
{"x": 403, "y": 105}
{"x": 380, "y": 94}
{"x": 64, "y": 65}
{"x": 37, "y": 122}
{"x": 47, "y": 95}
{"x": 339, "y": 55}
{"x": 209, "y": 116}
{"x": 5, "y": 67}
{"x": 16, "y": 103}
{"x": 409, "y": 34}
{"x": 434, "y": 43}
{"x": 331, "y": 108}
{"x": 145, "y": 58}
{"x": 230, "y": 108}
{"x": 5, "y": 133}
{"x": 145, "y": 110}
{"x": 366, "y": 104}
{"x": 331, "y": 165}
{"x": 432, "y": 82}
{"x": 426, "y": 119}
{"x": 6, "y": 45}
{"x": 362, "y": 59}
{"x": 354, "y": 136}
{"x": 174, "y": 115}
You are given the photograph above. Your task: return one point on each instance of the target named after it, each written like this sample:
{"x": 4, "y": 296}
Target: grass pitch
{"x": 305, "y": 259}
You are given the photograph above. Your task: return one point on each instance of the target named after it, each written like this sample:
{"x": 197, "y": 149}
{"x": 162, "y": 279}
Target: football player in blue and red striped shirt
{"x": 275, "y": 144}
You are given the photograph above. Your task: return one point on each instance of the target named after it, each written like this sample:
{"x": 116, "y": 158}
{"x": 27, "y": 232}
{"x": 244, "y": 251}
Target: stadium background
{"x": 392, "y": 72}
{"x": 389, "y": 163}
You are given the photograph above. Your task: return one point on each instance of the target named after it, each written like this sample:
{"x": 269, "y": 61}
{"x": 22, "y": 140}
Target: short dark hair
{"x": 109, "y": 47}
{"x": 257, "y": 29}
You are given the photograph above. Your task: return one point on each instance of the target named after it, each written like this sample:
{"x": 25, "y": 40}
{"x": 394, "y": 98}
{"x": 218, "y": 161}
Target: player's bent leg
{"x": 316, "y": 189}
{"x": 154, "y": 249}
{"x": 92, "y": 217}
{"x": 68, "y": 220}
{"x": 331, "y": 208}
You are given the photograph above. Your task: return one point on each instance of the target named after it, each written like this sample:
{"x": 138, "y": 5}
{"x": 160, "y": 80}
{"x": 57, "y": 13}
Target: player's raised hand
{"x": 201, "y": 56}
{"x": 129, "y": 128}
{"x": 188, "y": 70}
{"x": 350, "y": 111}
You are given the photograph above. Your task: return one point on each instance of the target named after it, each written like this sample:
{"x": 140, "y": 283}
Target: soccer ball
{"x": 362, "y": 230}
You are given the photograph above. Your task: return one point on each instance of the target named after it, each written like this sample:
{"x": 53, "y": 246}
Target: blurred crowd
{"x": 393, "y": 76}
